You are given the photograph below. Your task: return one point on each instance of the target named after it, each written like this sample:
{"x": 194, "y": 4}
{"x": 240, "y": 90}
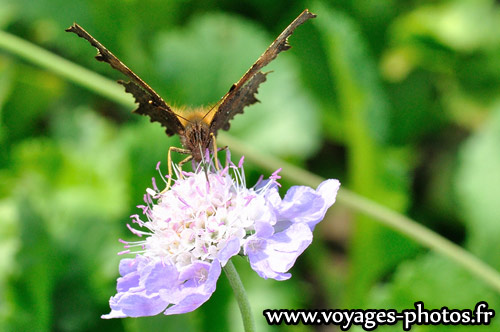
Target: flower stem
{"x": 241, "y": 296}
{"x": 64, "y": 68}
{"x": 388, "y": 217}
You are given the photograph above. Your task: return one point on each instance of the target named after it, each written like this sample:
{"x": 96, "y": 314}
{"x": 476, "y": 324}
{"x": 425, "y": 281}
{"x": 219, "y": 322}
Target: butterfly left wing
{"x": 242, "y": 93}
{"x": 150, "y": 103}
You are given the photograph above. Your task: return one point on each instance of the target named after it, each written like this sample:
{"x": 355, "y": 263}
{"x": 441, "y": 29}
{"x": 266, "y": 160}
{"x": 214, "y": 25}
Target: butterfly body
{"x": 197, "y": 128}
{"x": 197, "y": 137}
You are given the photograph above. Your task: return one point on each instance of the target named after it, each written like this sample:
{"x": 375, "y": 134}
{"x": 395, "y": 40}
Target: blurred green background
{"x": 397, "y": 99}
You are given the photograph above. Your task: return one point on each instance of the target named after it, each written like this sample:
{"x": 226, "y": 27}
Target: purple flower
{"x": 199, "y": 223}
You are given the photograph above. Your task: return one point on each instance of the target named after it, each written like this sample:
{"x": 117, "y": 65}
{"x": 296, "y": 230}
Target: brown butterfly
{"x": 196, "y": 128}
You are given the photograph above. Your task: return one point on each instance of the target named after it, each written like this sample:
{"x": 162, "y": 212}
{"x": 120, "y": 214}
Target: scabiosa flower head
{"x": 192, "y": 229}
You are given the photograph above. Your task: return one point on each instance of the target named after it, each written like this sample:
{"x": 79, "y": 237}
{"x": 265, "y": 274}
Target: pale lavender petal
{"x": 262, "y": 183}
{"x": 161, "y": 276}
{"x": 127, "y": 265}
{"x": 194, "y": 273}
{"x": 259, "y": 260}
{"x": 273, "y": 257}
{"x": 288, "y": 245}
{"x": 130, "y": 279}
{"x": 232, "y": 248}
{"x": 328, "y": 190}
{"x": 189, "y": 303}
{"x": 114, "y": 314}
{"x": 135, "y": 305}
{"x": 190, "y": 279}
{"x": 273, "y": 197}
{"x": 263, "y": 229}
{"x": 137, "y": 291}
{"x": 128, "y": 282}
{"x": 306, "y": 205}
{"x": 195, "y": 296}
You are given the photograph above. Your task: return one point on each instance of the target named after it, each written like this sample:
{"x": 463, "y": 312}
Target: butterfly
{"x": 196, "y": 128}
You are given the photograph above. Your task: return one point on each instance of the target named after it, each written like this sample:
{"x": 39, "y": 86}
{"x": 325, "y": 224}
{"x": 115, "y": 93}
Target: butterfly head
{"x": 197, "y": 139}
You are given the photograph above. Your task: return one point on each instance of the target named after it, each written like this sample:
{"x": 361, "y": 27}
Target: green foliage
{"x": 397, "y": 99}
{"x": 478, "y": 189}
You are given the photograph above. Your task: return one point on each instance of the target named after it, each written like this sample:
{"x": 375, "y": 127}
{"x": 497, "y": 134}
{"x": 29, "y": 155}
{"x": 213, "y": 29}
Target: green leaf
{"x": 25, "y": 109}
{"x": 360, "y": 94}
{"x": 478, "y": 189}
{"x": 8, "y": 10}
{"x": 459, "y": 25}
{"x": 9, "y": 246}
{"x": 30, "y": 288}
{"x": 6, "y": 76}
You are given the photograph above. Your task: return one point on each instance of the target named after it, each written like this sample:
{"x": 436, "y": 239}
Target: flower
{"x": 206, "y": 217}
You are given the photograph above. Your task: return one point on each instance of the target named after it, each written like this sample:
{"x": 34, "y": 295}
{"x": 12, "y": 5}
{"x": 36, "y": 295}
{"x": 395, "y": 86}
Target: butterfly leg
{"x": 169, "y": 161}
{"x": 215, "y": 149}
{"x": 185, "y": 160}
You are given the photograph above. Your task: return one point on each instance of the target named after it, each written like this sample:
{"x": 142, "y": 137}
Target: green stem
{"x": 66, "y": 69}
{"x": 241, "y": 296}
{"x": 387, "y": 217}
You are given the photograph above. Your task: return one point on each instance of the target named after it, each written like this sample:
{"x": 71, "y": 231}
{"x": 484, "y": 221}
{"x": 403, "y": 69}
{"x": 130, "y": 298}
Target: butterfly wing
{"x": 150, "y": 103}
{"x": 242, "y": 93}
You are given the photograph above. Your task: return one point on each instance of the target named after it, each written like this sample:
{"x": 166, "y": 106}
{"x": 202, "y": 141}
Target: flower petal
{"x": 328, "y": 190}
{"x": 161, "y": 276}
{"x": 232, "y": 248}
{"x": 127, "y": 265}
{"x": 263, "y": 229}
{"x": 273, "y": 257}
{"x": 137, "y": 291}
{"x": 194, "y": 291}
{"x": 135, "y": 305}
{"x": 305, "y": 205}
{"x": 128, "y": 282}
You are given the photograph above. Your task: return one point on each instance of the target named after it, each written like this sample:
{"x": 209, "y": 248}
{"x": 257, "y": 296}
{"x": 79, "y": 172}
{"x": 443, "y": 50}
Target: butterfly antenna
{"x": 208, "y": 112}
{"x": 212, "y": 108}
{"x": 177, "y": 115}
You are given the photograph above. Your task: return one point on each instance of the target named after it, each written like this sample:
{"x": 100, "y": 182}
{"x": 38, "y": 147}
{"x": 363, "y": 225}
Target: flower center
{"x": 199, "y": 214}
{"x": 196, "y": 217}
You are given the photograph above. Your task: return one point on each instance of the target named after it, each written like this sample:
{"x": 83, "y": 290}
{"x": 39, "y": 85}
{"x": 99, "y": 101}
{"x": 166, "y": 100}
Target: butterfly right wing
{"x": 150, "y": 103}
{"x": 242, "y": 93}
